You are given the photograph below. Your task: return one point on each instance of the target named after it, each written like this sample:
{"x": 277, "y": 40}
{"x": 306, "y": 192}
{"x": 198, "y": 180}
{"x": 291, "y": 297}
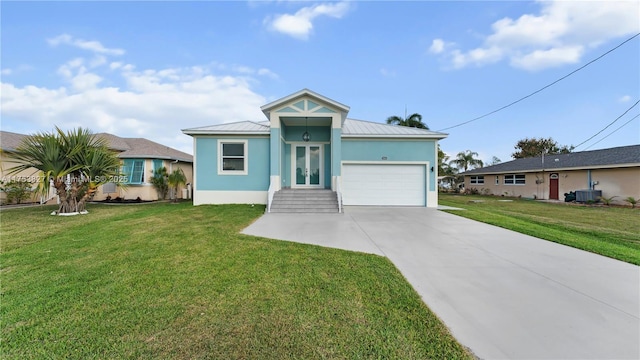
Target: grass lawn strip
{"x": 608, "y": 231}
{"x": 173, "y": 281}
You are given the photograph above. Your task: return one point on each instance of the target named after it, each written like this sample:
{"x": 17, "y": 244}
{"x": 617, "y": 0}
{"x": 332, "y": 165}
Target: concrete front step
{"x": 305, "y": 198}
{"x": 304, "y": 201}
{"x": 305, "y": 191}
{"x": 302, "y": 207}
{"x": 305, "y": 211}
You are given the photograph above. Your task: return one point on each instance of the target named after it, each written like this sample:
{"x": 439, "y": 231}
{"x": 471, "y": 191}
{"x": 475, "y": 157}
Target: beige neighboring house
{"x": 140, "y": 157}
{"x": 606, "y": 172}
{"x": 8, "y": 142}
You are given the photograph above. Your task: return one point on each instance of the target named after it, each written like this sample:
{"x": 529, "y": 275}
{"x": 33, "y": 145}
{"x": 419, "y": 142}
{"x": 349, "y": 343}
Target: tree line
{"x": 467, "y": 160}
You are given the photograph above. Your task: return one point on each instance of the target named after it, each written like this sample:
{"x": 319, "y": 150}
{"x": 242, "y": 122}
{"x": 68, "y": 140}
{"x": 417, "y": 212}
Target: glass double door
{"x": 308, "y": 169}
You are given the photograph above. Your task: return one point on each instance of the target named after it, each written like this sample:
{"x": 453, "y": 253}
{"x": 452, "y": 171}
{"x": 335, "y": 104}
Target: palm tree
{"x": 159, "y": 180}
{"x": 466, "y": 159}
{"x": 414, "y": 120}
{"x": 75, "y": 163}
{"x": 176, "y": 178}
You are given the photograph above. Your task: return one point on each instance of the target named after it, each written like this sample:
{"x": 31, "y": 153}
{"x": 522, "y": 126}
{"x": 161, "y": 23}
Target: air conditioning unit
{"x": 588, "y": 195}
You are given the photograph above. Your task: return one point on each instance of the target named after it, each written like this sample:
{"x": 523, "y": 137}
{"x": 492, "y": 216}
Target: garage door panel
{"x": 383, "y": 184}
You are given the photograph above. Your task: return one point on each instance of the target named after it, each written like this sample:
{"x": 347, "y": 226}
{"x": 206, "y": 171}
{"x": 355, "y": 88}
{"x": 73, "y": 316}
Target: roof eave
{"x": 163, "y": 157}
{"x": 567, "y": 168}
{"x": 210, "y": 132}
{"x": 395, "y": 136}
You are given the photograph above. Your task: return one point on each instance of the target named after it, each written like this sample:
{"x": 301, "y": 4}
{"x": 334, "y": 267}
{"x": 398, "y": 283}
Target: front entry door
{"x": 553, "y": 186}
{"x": 308, "y": 169}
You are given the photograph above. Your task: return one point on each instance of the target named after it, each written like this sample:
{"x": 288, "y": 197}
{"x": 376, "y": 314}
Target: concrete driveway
{"x": 502, "y": 294}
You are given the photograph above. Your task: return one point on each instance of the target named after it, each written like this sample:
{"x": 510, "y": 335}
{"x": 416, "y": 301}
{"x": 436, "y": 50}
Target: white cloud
{"x": 476, "y": 56}
{"x": 300, "y": 24}
{"x": 541, "y": 59}
{"x": 559, "y": 34}
{"x": 151, "y": 103}
{"x": 437, "y": 46}
{"x": 94, "y": 46}
{"x": 97, "y": 60}
{"x": 267, "y": 73}
{"x": 624, "y": 99}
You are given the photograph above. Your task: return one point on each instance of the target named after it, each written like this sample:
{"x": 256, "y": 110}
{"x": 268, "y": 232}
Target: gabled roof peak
{"x": 267, "y": 108}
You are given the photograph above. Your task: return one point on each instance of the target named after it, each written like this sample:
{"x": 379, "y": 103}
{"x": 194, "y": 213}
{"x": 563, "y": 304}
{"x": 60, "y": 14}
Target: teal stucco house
{"x": 307, "y": 142}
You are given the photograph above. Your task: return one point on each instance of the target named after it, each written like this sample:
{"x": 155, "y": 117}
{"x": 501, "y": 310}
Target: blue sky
{"x": 149, "y": 69}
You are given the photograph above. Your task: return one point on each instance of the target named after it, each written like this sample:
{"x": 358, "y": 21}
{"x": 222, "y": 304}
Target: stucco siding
{"x": 317, "y": 133}
{"x": 286, "y": 166}
{"x": 619, "y": 182}
{"x": 390, "y": 150}
{"x": 327, "y": 166}
{"x": 258, "y": 166}
{"x": 146, "y": 191}
{"x": 32, "y": 175}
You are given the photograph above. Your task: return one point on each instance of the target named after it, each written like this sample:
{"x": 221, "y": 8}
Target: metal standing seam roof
{"x": 623, "y": 156}
{"x": 351, "y": 128}
{"x": 240, "y": 127}
{"x": 361, "y": 128}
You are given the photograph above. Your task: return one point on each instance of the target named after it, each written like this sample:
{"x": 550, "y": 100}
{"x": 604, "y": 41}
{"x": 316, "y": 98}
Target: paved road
{"x": 502, "y": 294}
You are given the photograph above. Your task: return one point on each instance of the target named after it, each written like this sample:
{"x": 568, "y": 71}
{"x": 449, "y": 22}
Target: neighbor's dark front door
{"x": 553, "y": 186}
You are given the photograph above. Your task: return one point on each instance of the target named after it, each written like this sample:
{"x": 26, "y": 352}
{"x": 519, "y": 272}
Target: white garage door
{"x": 383, "y": 184}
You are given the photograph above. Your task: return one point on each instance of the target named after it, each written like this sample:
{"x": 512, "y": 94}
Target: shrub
{"x": 160, "y": 182}
{"x": 631, "y": 200}
{"x": 17, "y": 190}
{"x": 471, "y": 191}
{"x": 607, "y": 201}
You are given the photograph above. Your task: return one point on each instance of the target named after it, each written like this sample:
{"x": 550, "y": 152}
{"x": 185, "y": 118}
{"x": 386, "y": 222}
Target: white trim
{"x": 382, "y": 162}
{"x": 392, "y": 136}
{"x": 204, "y": 197}
{"x": 194, "y": 170}
{"x": 246, "y": 156}
{"x": 293, "y": 165}
{"x": 296, "y": 142}
{"x": 215, "y": 133}
{"x": 300, "y": 95}
{"x": 432, "y": 198}
{"x": 515, "y": 178}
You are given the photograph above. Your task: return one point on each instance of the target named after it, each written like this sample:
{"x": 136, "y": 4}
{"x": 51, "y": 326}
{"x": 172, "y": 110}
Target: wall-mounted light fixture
{"x": 432, "y": 169}
{"x": 305, "y": 136}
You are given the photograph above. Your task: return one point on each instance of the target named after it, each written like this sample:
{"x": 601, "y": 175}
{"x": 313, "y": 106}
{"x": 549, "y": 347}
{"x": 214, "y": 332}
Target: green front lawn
{"x": 173, "y": 281}
{"x": 609, "y": 231}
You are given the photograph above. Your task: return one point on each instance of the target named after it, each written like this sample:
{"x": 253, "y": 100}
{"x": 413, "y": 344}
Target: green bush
{"x": 160, "y": 182}
{"x": 607, "y": 201}
{"x": 17, "y": 190}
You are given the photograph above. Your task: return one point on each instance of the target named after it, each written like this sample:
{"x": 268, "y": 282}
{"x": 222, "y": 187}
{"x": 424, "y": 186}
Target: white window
{"x": 497, "y": 180}
{"x": 477, "y": 179}
{"x": 232, "y": 157}
{"x": 514, "y": 179}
